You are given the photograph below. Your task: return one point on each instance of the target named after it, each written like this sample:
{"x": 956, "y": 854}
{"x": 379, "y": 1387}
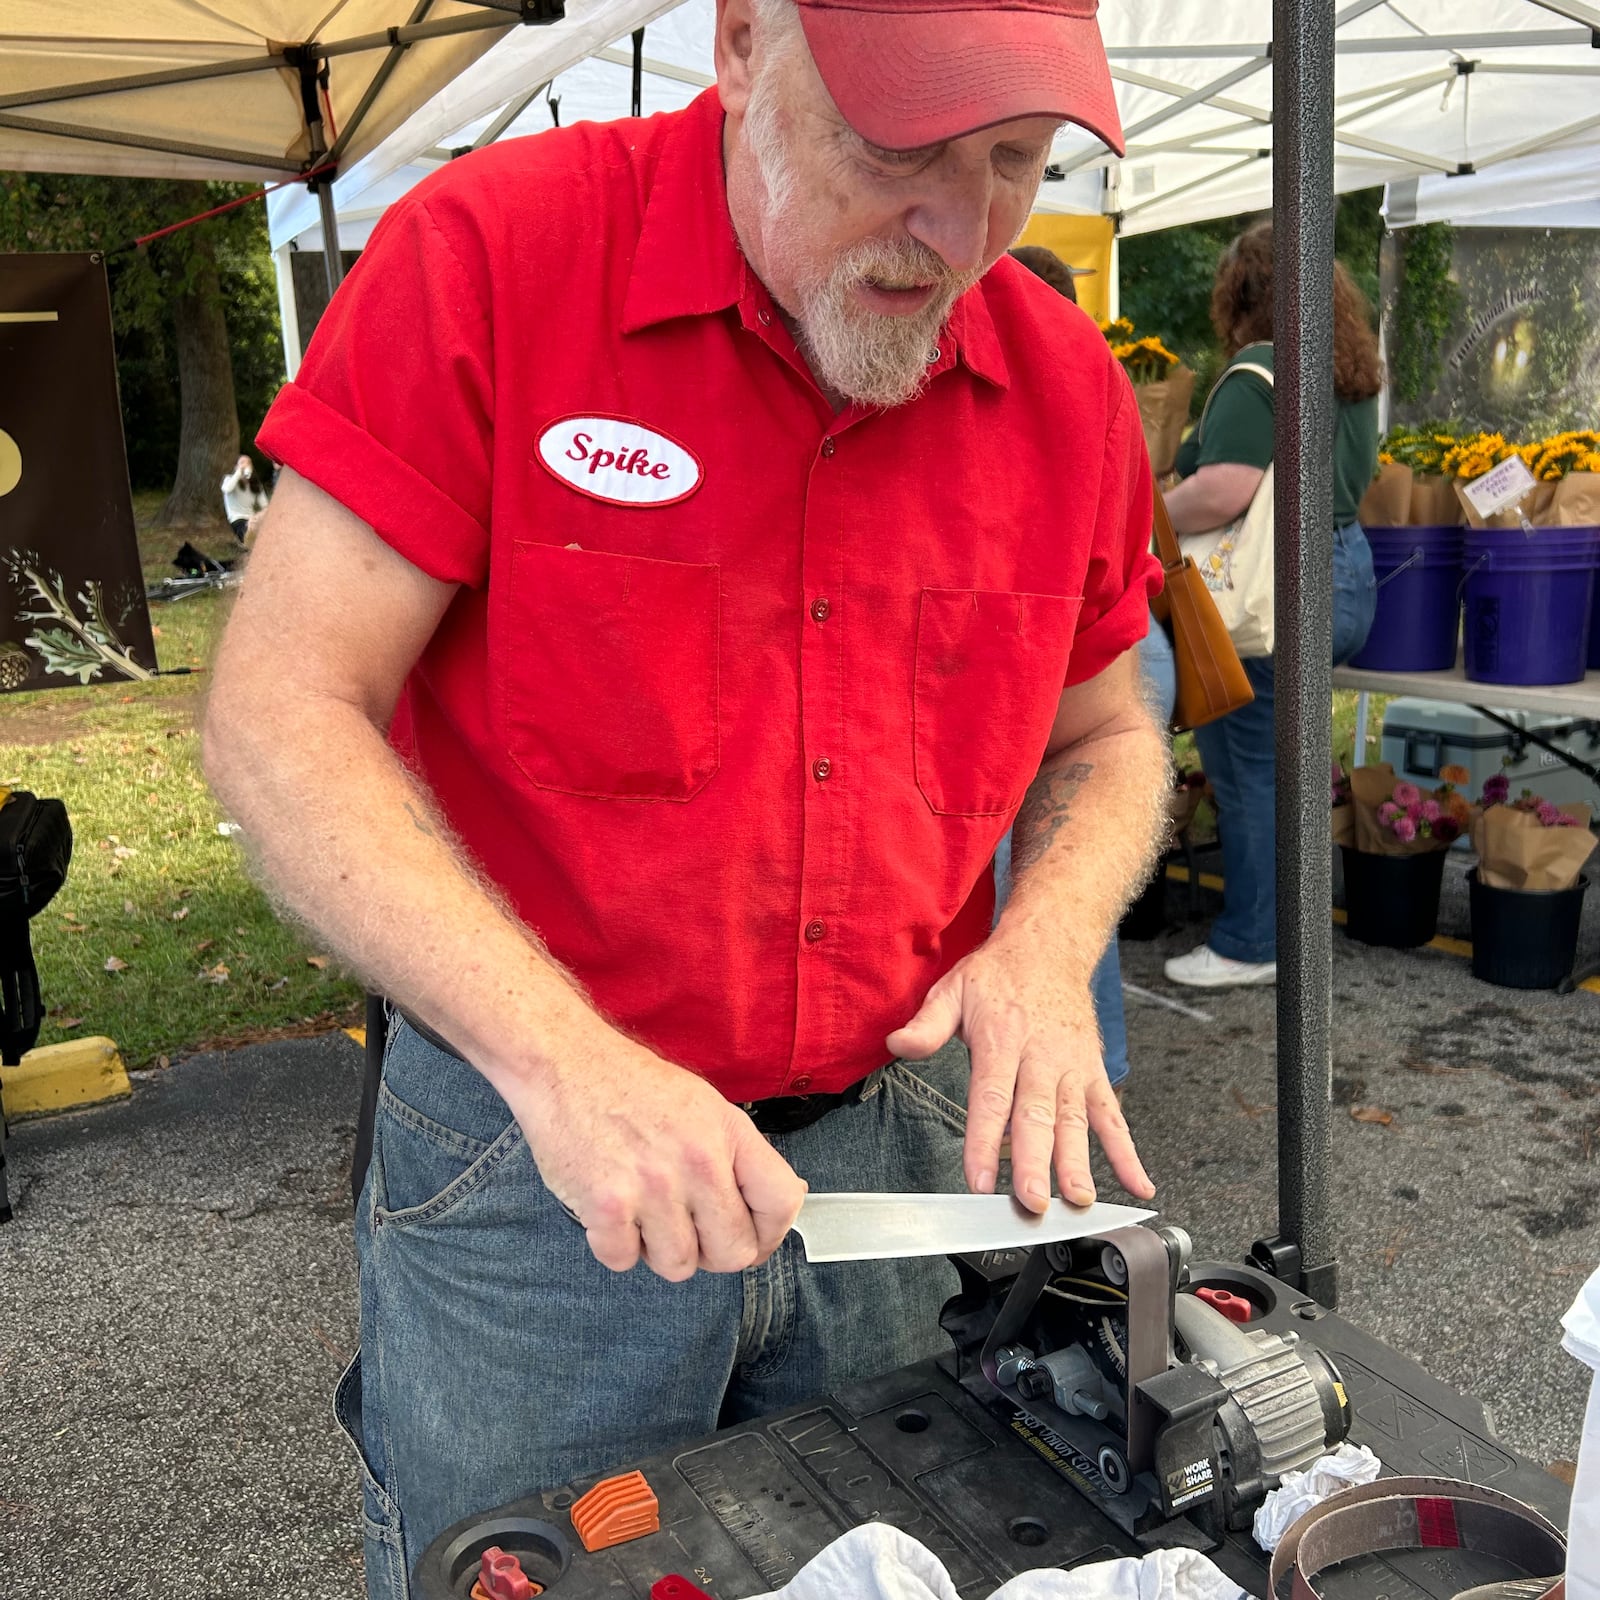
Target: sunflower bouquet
{"x": 1421, "y": 471}
{"x": 1412, "y": 488}
{"x": 1565, "y": 468}
{"x": 1162, "y": 385}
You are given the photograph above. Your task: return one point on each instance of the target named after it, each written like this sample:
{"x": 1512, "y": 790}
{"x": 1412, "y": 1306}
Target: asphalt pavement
{"x": 177, "y": 1293}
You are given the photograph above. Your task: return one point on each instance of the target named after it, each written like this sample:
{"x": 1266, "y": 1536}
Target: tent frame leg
{"x": 1303, "y": 143}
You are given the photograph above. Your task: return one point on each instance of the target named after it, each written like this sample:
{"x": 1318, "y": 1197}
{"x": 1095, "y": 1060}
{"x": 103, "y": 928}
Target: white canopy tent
{"x": 1556, "y": 188}
{"x": 1422, "y": 87}
{"x": 177, "y": 88}
{"x": 248, "y": 89}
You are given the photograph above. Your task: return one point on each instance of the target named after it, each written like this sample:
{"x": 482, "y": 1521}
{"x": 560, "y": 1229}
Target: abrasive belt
{"x": 1418, "y": 1514}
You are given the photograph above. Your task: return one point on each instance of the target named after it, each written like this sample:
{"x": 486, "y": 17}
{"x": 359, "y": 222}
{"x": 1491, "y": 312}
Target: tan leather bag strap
{"x": 1168, "y": 550}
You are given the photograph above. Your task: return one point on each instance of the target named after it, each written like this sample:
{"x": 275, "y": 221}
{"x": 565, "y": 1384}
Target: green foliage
{"x": 1166, "y": 282}
{"x": 1358, "y": 240}
{"x": 49, "y": 212}
{"x": 1427, "y": 301}
{"x": 153, "y": 883}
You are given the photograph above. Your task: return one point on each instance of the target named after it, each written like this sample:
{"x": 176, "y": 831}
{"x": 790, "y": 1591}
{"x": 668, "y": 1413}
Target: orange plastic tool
{"x": 615, "y": 1511}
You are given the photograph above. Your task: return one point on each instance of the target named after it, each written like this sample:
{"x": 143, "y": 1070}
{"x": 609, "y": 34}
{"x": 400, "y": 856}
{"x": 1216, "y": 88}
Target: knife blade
{"x": 874, "y": 1227}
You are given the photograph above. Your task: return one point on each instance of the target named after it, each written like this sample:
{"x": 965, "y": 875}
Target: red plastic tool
{"x": 500, "y": 1577}
{"x": 676, "y": 1587}
{"x": 1233, "y": 1306}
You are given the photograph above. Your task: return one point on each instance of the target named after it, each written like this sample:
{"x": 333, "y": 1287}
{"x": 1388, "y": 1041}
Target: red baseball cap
{"x": 910, "y": 73}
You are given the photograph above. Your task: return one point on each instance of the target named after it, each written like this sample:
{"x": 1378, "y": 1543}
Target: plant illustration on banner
{"x": 80, "y": 641}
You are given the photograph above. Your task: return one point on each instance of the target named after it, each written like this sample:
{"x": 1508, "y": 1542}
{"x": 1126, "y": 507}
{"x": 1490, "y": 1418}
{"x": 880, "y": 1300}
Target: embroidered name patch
{"x": 621, "y": 462}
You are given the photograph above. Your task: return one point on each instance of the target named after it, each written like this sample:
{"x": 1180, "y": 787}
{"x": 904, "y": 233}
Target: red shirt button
{"x": 827, "y": 447}
{"x": 820, "y": 768}
{"x": 820, "y": 608}
{"x": 802, "y": 1083}
{"x": 815, "y": 930}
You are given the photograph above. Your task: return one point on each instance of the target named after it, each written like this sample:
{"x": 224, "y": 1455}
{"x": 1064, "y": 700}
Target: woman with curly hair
{"x": 1222, "y": 464}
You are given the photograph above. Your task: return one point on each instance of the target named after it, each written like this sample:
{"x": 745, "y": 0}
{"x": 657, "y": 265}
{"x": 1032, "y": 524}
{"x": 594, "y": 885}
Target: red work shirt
{"x": 737, "y": 695}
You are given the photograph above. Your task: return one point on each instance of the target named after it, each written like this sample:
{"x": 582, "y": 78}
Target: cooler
{"x": 1421, "y": 737}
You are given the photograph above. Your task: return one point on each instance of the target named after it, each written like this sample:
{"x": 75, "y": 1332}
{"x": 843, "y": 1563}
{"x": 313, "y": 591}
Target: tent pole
{"x": 311, "y": 64}
{"x": 331, "y": 256}
{"x": 1303, "y": 211}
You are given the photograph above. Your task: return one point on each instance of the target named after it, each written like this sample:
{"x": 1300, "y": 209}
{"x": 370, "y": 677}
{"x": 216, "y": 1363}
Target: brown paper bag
{"x": 1576, "y": 501}
{"x": 1535, "y": 505}
{"x": 1369, "y": 788}
{"x": 1433, "y": 501}
{"x": 1516, "y": 852}
{"x": 1164, "y": 412}
{"x": 1182, "y": 804}
{"x": 1344, "y": 825}
{"x": 1387, "y": 502}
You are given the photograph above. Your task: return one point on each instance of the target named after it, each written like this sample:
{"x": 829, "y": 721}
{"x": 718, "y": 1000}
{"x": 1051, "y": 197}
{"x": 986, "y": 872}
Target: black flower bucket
{"x": 1524, "y": 938}
{"x": 1392, "y": 901}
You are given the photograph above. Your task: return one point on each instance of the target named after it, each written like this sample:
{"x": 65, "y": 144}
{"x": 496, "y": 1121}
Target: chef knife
{"x": 872, "y": 1227}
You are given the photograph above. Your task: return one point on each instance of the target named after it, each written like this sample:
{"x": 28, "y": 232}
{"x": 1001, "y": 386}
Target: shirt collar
{"x": 689, "y": 263}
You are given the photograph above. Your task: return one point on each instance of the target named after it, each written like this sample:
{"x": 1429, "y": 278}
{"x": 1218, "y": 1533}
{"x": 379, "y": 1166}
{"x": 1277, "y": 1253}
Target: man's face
{"x": 866, "y": 249}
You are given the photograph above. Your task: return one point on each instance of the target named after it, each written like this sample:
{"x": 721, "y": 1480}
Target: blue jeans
{"x": 498, "y": 1357}
{"x": 1240, "y": 760}
{"x": 1105, "y": 984}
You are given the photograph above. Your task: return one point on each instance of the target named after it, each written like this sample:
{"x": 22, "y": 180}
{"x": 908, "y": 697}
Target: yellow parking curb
{"x": 80, "y": 1072}
{"x": 359, "y": 1035}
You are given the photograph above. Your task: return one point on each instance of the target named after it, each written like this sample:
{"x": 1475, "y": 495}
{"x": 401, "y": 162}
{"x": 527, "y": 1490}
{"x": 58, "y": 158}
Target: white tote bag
{"x": 1236, "y": 560}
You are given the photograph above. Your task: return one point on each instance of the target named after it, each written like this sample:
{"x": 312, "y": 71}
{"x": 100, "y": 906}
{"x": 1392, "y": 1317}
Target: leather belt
{"x": 1419, "y": 1514}
{"x": 783, "y": 1114}
{"x": 791, "y": 1112}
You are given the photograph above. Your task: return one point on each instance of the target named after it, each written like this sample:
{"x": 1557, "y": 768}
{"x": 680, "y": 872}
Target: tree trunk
{"x": 208, "y": 440}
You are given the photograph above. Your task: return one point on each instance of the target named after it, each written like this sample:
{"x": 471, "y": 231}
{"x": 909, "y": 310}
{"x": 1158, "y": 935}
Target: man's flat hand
{"x": 656, "y": 1165}
{"x": 1036, "y": 1066}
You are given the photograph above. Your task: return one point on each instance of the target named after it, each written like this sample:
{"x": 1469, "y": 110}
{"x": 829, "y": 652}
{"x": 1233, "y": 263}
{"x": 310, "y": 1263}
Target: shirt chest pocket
{"x": 989, "y": 673}
{"x": 606, "y": 677}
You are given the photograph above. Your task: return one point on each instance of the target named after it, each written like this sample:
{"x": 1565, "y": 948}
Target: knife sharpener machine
{"x": 1049, "y": 1434}
{"x": 1181, "y": 1404}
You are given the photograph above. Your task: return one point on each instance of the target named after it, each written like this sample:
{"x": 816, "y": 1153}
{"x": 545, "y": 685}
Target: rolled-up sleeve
{"x": 1123, "y": 576}
{"x": 392, "y": 410}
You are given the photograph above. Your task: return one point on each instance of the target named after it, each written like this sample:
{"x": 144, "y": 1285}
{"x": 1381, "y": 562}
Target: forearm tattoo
{"x": 1045, "y": 811}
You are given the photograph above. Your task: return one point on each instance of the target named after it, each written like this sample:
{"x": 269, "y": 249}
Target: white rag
{"x": 877, "y": 1562}
{"x": 1582, "y": 1339}
{"x": 1299, "y": 1491}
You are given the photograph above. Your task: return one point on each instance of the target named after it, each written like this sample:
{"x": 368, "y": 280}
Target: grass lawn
{"x": 159, "y": 939}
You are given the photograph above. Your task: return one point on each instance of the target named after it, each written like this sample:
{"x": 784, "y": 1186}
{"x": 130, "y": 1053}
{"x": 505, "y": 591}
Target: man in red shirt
{"x": 689, "y": 559}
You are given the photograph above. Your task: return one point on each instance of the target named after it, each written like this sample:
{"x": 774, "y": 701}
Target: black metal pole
{"x": 1303, "y": 210}
{"x": 310, "y": 65}
{"x": 638, "y": 73}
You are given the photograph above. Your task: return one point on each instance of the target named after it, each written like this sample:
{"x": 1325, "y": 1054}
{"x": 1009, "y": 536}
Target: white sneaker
{"x": 1203, "y": 968}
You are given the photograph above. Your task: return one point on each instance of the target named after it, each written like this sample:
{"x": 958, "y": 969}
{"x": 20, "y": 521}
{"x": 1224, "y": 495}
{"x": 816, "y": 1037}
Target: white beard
{"x": 865, "y": 356}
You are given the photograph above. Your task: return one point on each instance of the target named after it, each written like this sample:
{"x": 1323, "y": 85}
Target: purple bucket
{"x": 1594, "y": 620}
{"x": 1418, "y": 619}
{"x": 1529, "y": 600}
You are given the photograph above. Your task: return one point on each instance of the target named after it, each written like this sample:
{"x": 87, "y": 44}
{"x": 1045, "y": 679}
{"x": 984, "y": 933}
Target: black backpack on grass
{"x": 35, "y": 851}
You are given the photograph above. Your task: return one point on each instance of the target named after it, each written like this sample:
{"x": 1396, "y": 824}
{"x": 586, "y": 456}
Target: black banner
{"x": 72, "y": 602}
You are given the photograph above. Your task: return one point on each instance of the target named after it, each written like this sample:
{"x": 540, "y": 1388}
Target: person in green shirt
{"x": 1221, "y": 466}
